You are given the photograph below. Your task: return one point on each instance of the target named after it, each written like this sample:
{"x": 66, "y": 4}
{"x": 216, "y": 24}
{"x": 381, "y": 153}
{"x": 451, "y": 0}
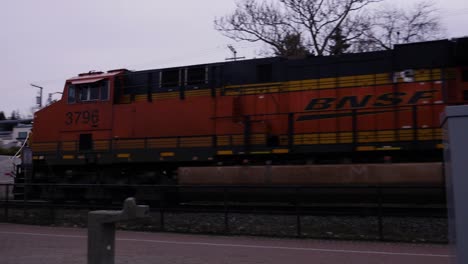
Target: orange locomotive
{"x": 141, "y": 126}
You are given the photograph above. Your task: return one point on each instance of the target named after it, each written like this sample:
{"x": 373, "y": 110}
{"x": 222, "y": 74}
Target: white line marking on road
{"x": 240, "y": 245}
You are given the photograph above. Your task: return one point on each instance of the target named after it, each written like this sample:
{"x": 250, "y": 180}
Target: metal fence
{"x": 398, "y": 213}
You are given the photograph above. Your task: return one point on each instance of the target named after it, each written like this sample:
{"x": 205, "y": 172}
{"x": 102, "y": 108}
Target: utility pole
{"x": 38, "y": 98}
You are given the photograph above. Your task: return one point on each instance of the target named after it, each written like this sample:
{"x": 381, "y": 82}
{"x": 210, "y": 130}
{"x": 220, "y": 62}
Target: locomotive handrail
{"x": 17, "y": 154}
{"x": 333, "y": 110}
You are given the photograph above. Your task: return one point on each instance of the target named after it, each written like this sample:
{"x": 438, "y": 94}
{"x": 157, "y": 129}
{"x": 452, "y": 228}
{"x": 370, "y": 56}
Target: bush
{"x": 9, "y": 151}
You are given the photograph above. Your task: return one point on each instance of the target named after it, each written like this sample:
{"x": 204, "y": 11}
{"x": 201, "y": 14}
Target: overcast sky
{"x": 47, "y": 41}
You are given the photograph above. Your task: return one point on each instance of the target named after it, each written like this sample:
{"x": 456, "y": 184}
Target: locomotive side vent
{"x": 264, "y": 73}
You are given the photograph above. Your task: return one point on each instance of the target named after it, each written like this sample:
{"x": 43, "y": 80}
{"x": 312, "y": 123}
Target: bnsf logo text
{"x": 353, "y": 102}
{"x": 388, "y": 99}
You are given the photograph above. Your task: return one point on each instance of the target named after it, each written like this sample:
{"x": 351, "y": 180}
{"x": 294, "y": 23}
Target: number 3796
{"x": 82, "y": 117}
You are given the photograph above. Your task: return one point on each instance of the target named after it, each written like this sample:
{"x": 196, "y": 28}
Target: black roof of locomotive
{"x": 430, "y": 54}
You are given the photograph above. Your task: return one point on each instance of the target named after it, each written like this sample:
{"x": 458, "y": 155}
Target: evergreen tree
{"x": 14, "y": 115}
{"x": 291, "y": 46}
{"x": 339, "y": 43}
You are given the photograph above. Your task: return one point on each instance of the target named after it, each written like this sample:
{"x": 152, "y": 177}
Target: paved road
{"x": 53, "y": 245}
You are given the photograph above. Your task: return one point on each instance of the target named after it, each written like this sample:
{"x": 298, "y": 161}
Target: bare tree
{"x": 253, "y": 21}
{"x": 321, "y": 19}
{"x": 315, "y": 21}
{"x": 392, "y": 25}
{"x": 321, "y": 27}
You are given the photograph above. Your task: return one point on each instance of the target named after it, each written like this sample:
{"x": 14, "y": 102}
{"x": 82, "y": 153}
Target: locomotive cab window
{"x": 88, "y": 92}
{"x": 104, "y": 92}
{"x": 71, "y": 94}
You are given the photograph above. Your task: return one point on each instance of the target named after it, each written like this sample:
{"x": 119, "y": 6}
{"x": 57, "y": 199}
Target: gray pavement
{"x": 6, "y": 166}
{"x": 53, "y": 245}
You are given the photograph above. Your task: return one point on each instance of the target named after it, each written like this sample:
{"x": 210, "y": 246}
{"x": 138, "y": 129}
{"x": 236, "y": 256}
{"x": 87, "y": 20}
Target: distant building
{"x": 13, "y": 133}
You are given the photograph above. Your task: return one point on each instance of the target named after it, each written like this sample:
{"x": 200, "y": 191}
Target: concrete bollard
{"x": 101, "y": 230}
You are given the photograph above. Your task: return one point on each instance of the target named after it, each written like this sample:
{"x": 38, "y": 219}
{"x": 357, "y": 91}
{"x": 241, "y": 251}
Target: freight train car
{"x": 141, "y": 127}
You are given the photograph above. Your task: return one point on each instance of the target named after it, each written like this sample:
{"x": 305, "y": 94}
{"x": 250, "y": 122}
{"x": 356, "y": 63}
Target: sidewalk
{"x": 5, "y": 167}
{"x": 53, "y": 245}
